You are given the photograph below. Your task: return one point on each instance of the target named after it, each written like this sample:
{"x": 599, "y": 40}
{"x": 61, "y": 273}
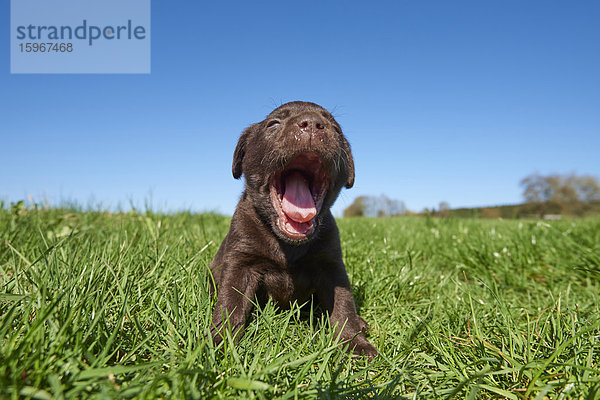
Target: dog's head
{"x": 295, "y": 163}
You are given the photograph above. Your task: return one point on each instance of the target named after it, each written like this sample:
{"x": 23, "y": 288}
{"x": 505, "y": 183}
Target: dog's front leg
{"x": 235, "y": 294}
{"x": 335, "y": 295}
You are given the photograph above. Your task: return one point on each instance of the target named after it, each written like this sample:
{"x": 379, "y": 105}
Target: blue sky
{"x": 441, "y": 101}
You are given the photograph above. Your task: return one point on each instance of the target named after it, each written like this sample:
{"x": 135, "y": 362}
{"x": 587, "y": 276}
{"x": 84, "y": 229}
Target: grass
{"x": 100, "y": 305}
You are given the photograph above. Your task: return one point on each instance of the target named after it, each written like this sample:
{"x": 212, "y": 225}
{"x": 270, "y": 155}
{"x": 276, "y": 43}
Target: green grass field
{"x": 100, "y": 305}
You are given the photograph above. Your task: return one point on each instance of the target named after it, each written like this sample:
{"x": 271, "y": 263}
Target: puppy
{"x": 283, "y": 242}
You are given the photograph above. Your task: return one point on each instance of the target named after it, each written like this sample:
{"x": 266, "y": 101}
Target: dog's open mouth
{"x": 297, "y": 194}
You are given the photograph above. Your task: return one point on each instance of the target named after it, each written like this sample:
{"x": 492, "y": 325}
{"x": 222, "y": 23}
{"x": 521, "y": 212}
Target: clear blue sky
{"x": 453, "y": 101}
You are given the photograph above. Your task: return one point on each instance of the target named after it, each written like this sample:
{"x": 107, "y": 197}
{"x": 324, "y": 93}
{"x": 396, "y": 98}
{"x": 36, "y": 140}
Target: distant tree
{"x": 560, "y": 188}
{"x": 587, "y": 187}
{"x": 356, "y": 209}
{"x": 559, "y": 194}
{"x": 533, "y": 188}
{"x": 375, "y": 206}
{"x": 383, "y": 206}
{"x": 490, "y": 212}
{"x": 444, "y": 209}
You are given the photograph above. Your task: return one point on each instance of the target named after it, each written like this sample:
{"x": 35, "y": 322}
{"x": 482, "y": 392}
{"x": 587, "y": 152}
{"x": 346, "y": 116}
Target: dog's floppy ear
{"x": 240, "y": 151}
{"x": 349, "y": 161}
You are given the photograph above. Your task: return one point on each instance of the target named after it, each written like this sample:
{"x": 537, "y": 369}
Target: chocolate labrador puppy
{"x": 283, "y": 242}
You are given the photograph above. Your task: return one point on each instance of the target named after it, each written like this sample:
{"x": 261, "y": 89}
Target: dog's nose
{"x": 310, "y": 122}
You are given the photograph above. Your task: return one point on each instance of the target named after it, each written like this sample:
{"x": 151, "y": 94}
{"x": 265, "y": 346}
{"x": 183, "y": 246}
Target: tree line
{"x": 544, "y": 196}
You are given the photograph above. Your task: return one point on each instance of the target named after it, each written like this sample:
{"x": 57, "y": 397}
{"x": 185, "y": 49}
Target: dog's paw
{"x": 365, "y": 349}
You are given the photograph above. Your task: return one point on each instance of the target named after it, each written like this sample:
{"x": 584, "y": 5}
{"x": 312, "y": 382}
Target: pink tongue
{"x": 298, "y": 203}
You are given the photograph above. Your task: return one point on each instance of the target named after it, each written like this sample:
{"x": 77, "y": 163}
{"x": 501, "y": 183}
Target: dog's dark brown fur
{"x": 259, "y": 257}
